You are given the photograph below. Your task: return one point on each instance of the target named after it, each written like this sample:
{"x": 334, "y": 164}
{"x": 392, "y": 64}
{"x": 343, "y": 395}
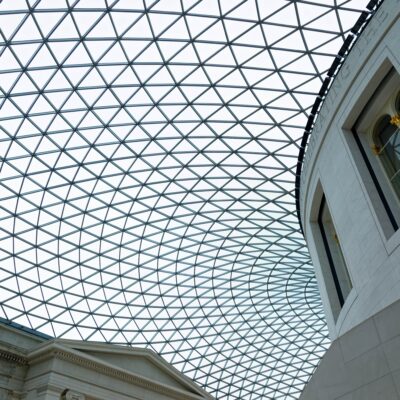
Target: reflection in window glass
{"x": 387, "y": 142}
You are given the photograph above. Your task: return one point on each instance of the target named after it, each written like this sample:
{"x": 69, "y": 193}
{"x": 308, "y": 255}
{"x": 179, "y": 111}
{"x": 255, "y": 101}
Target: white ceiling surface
{"x": 148, "y": 151}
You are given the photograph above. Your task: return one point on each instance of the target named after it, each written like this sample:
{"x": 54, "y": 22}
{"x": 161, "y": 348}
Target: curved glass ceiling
{"x": 147, "y": 156}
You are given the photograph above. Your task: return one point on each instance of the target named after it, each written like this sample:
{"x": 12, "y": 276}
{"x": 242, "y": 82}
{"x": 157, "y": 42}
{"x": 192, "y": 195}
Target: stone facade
{"x": 36, "y": 368}
{"x": 333, "y": 167}
{"x": 360, "y": 363}
{"x": 363, "y": 363}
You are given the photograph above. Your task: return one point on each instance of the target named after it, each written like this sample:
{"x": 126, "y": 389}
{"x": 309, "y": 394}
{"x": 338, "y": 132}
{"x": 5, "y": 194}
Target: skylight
{"x": 148, "y": 152}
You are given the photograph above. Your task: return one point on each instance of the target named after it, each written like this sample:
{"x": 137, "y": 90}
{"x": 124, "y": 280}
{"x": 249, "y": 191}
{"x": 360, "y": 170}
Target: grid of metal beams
{"x": 148, "y": 151}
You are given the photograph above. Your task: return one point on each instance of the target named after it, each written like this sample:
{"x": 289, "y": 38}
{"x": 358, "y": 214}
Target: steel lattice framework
{"x": 148, "y": 151}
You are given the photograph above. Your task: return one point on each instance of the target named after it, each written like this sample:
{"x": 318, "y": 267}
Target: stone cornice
{"x": 13, "y": 357}
{"x": 58, "y": 351}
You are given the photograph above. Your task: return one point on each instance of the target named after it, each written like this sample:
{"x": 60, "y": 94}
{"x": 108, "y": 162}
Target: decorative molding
{"x": 13, "y": 357}
{"x": 57, "y": 350}
{"x": 125, "y": 376}
{"x": 48, "y": 388}
{"x": 71, "y": 395}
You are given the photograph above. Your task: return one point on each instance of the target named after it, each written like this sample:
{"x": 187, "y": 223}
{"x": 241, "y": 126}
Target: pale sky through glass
{"x": 147, "y": 160}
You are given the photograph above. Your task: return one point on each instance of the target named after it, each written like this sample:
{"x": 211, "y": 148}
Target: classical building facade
{"x": 35, "y": 367}
{"x": 350, "y": 210}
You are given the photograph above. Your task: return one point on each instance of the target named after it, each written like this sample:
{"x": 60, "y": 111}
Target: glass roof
{"x": 148, "y": 153}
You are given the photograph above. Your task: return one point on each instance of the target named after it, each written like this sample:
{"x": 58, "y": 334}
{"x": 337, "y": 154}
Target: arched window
{"x": 377, "y": 134}
{"x": 386, "y": 138}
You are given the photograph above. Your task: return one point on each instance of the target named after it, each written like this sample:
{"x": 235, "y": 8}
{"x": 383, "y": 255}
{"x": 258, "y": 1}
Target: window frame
{"x": 333, "y": 265}
{"x": 383, "y": 101}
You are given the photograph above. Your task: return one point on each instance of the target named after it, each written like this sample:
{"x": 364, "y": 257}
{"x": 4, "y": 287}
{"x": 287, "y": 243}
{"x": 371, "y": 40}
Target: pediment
{"x": 142, "y": 362}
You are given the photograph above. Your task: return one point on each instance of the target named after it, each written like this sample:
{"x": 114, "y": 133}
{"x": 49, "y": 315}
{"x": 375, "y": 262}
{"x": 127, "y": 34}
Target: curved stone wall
{"x": 334, "y": 167}
{"x": 344, "y": 170}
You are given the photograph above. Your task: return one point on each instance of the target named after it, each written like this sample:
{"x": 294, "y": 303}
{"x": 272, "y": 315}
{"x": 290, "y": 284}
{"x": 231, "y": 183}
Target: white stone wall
{"x": 363, "y": 360}
{"x": 34, "y": 368}
{"x": 332, "y": 165}
{"x": 363, "y": 364}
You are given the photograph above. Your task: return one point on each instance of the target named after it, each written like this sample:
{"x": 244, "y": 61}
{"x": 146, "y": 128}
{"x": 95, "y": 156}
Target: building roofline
{"x": 337, "y": 63}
